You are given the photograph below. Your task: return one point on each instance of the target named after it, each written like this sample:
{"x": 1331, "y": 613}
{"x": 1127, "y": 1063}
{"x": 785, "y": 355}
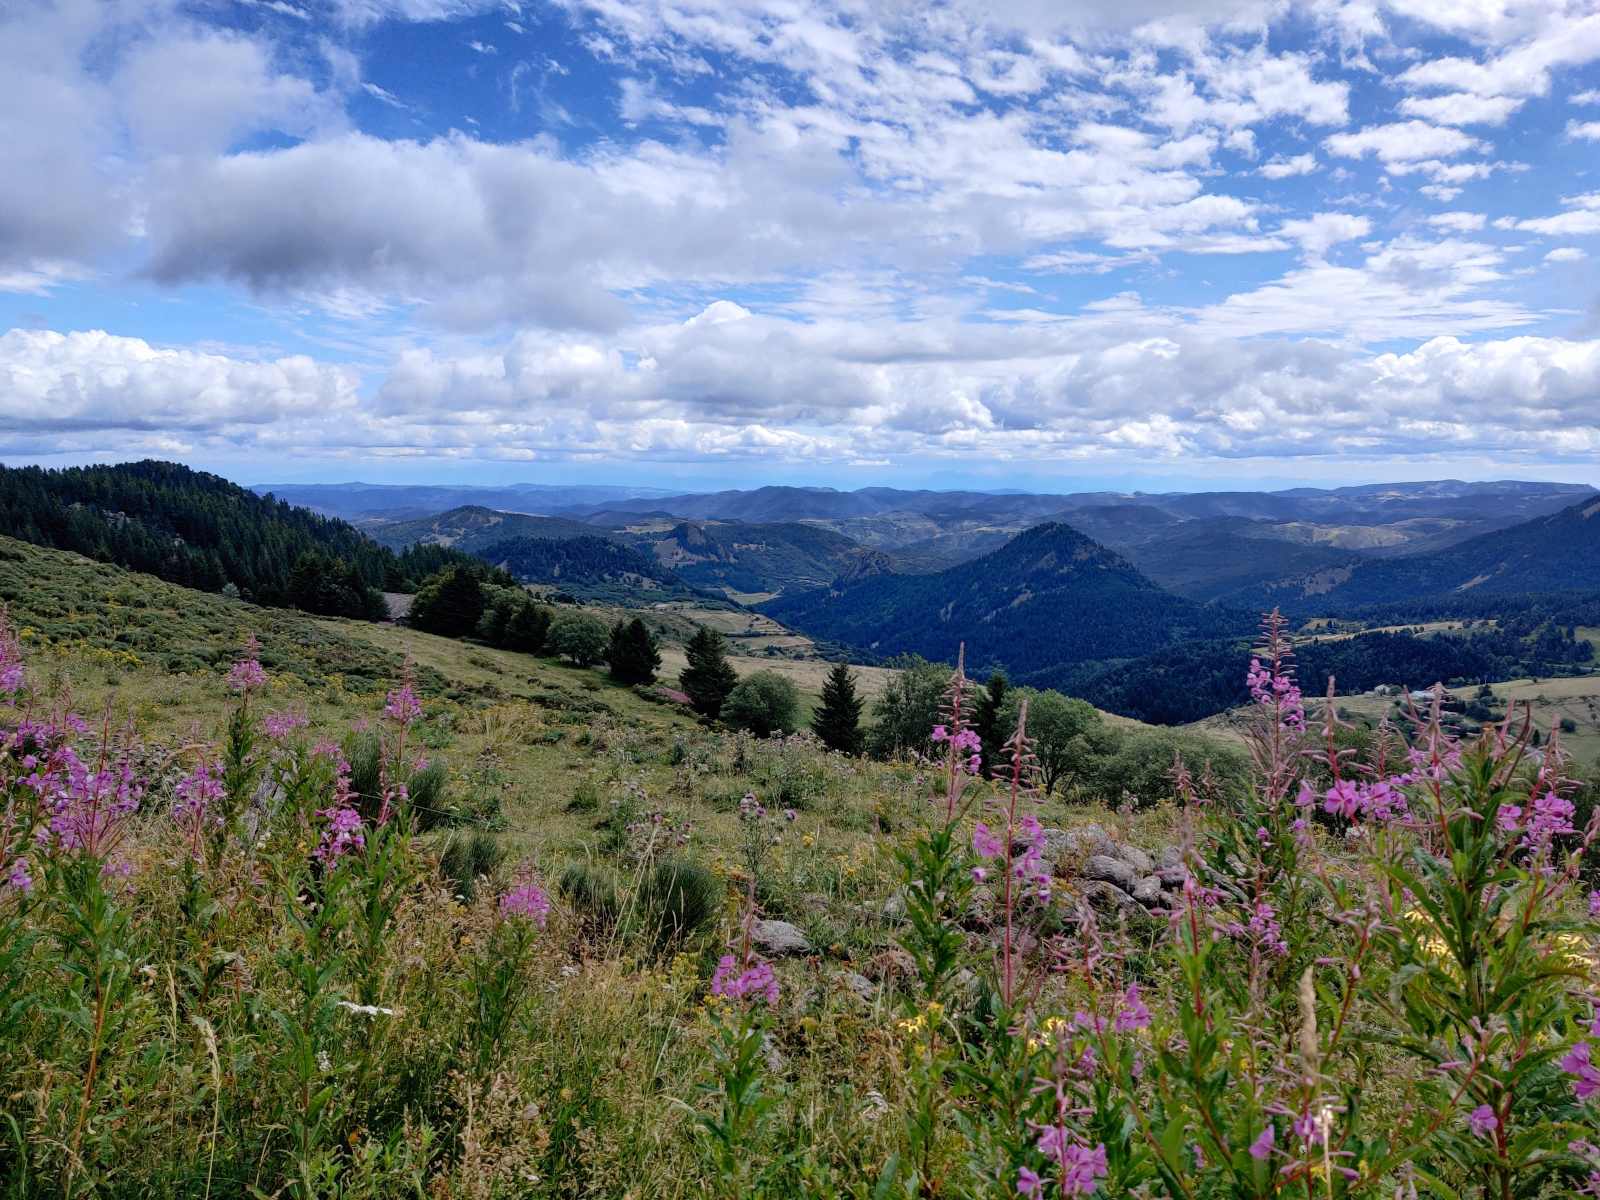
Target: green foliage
{"x": 989, "y": 720}
{"x": 468, "y": 855}
{"x": 594, "y": 891}
{"x": 198, "y": 530}
{"x": 449, "y": 604}
{"x": 708, "y": 677}
{"x": 592, "y": 567}
{"x": 764, "y": 703}
{"x": 837, "y": 721}
{"x": 631, "y": 654}
{"x": 908, "y": 708}
{"x": 579, "y": 637}
{"x": 677, "y": 899}
{"x": 1060, "y": 727}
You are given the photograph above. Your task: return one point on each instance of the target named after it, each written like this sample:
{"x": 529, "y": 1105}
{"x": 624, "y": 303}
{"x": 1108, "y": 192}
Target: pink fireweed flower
{"x": 1081, "y": 1168}
{"x": 1482, "y": 1121}
{"x": 1552, "y": 815}
{"x": 280, "y": 725}
{"x": 1029, "y": 1184}
{"x": 1576, "y": 1062}
{"x": 1134, "y": 1014}
{"x": 12, "y": 675}
{"x": 89, "y": 808}
{"x": 402, "y": 705}
{"x": 246, "y": 676}
{"x": 984, "y": 842}
{"x": 1594, "y": 904}
{"x": 1261, "y": 1148}
{"x": 753, "y": 978}
{"x": 17, "y": 878}
{"x": 196, "y": 793}
{"x": 342, "y": 835}
{"x": 527, "y": 901}
{"x": 1267, "y": 688}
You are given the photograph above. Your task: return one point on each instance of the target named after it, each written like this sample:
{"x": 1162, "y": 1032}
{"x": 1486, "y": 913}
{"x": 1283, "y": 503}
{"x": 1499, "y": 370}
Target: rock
{"x": 1110, "y": 896}
{"x": 859, "y": 984}
{"x": 1173, "y": 876}
{"x": 1137, "y": 859}
{"x": 894, "y": 908}
{"x": 779, "y": 937}
{"x": 1171, "y": 856}
{"x": 1148, "y": 890}
{"x": 1105, "y": 868}
{"x": 775, "y": 1059}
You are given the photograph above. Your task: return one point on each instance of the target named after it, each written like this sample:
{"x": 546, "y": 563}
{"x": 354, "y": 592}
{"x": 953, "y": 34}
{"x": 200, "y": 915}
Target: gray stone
{"x": 859, "y": 984}
{"x": 1171, "y": 856}
{"x": 1109, "y": 896}
{"x": 1173, "y": 876}
{"x": 1147, "y": 890}
{"x": 1137, "y": 859}
{"x": 894, "y": 908}
{"x": 1107, "y": 869}
{"x": 779, "y": 937}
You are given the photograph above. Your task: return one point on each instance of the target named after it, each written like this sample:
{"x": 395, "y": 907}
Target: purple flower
{"x": 1029, "y": 1184}
{"x": 940, "y": 734}
{"x": 342, "y": 835}
{"x": 984, "y": 842}
{"x": 1261, "y": 1148}
{"x": 1594, "y": 904}
{"x": 280, "y": 725}
{"x": 1482, "y": 1121}
{"x": 1081, "y": 1168}
{"x": 402, "y": 705}
{"x": 1134, "y": 1014}
{"x": 1276, "y": 689}
{"x": 18, "y": 878}
{"x": 11, "y": 673}
{"x": 88, "y": 808}
{"x": 735, "y": 981}
{"x": 1509, "y": 818}
{"x": 1587, "y": 1077}
{"x": 196, "y": 793}
{"x": 246, "y": 675}
{"x": 527, "y": 901}
{"x": 1552, "y": 814}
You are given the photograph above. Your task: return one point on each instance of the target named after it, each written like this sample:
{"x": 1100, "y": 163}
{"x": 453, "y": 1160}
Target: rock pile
{"x": 1111, "y": 874}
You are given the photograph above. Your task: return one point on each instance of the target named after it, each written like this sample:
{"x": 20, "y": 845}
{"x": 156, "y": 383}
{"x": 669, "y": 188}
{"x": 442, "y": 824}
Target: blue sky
{"x": 707, "y": 242}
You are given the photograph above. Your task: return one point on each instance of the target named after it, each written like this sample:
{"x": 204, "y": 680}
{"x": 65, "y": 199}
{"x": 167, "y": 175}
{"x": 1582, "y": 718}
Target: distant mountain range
{"x": 1046, "y": 605}
{"x": 1557, "y": 552}
{"x": 361, "y": 502}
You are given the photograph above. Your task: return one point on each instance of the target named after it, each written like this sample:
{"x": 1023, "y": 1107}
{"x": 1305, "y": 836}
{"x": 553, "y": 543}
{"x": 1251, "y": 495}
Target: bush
{"x": 579, "y": 637}
{"x": 467, "y": 856}
{"x": 594, "y": 892}
{"x": 449, "y": 603}
{"x": 677, "y": 898}
{"x": 764, "y": 703}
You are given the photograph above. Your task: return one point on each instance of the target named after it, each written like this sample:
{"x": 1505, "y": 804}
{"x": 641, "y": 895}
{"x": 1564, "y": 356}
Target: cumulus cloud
{"x": 1403, "y": 143}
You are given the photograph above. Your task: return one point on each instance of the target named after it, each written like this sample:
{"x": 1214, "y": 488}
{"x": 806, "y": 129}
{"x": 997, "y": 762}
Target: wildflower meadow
{"x": 271, "y": 957}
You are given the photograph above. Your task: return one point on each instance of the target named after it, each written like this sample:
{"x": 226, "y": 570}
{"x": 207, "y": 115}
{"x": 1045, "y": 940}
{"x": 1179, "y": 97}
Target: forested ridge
{"x": 199, "y": 530}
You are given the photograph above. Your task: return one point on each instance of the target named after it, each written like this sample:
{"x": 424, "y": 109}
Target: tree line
{"x": 200, "y": 531}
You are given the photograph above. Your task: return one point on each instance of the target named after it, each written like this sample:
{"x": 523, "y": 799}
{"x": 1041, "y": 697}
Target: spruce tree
{"x": 632, "y": 654}
{"x": 708, "y": 678}
{"x": 988, "y": 722}
{"x": 837, "y": 721}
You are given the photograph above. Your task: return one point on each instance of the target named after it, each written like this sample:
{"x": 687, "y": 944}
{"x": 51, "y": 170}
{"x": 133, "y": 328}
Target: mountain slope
{"x": 471, "y": 527}
{"x": 1214, "y": 557}
{"x": 1044, "y": 605}
{"x": 1558, "y": 552}
{"x": 194, "y": 529}
{"x": 743, "y": 557}
{"x": 588, "y": 567}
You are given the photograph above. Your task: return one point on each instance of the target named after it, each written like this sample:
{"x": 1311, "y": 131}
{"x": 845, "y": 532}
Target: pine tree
{"x": 632, "y": 654}
{"x": 838, "y": 719}
{"x": 708, "y": 678}
{"x": 987, "y": 722}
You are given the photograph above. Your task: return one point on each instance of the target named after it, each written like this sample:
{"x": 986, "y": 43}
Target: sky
{"x": 1004, "y": 243}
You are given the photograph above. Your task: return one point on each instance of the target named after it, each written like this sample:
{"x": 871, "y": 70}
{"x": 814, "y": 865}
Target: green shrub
{"x": 765, "y": 703}
{"x": 467, "y": 856}
{"x": 593, "y": 891}
{"x": 677, "y": 898}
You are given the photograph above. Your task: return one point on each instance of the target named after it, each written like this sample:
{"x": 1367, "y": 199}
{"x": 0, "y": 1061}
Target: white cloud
{"x": 1321, "y": 231}
{"x": 1581, "y": 218}
{"x": 1588, "y": 131}
{"x": 1458, "y": 222}
{"x": 1403, "y": 142}
{"x": 1285, "y": 168}
{"x": 1461, "y": 108}
{"x": 1590, "y": 97}
{"x": 1565, "y": 254}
